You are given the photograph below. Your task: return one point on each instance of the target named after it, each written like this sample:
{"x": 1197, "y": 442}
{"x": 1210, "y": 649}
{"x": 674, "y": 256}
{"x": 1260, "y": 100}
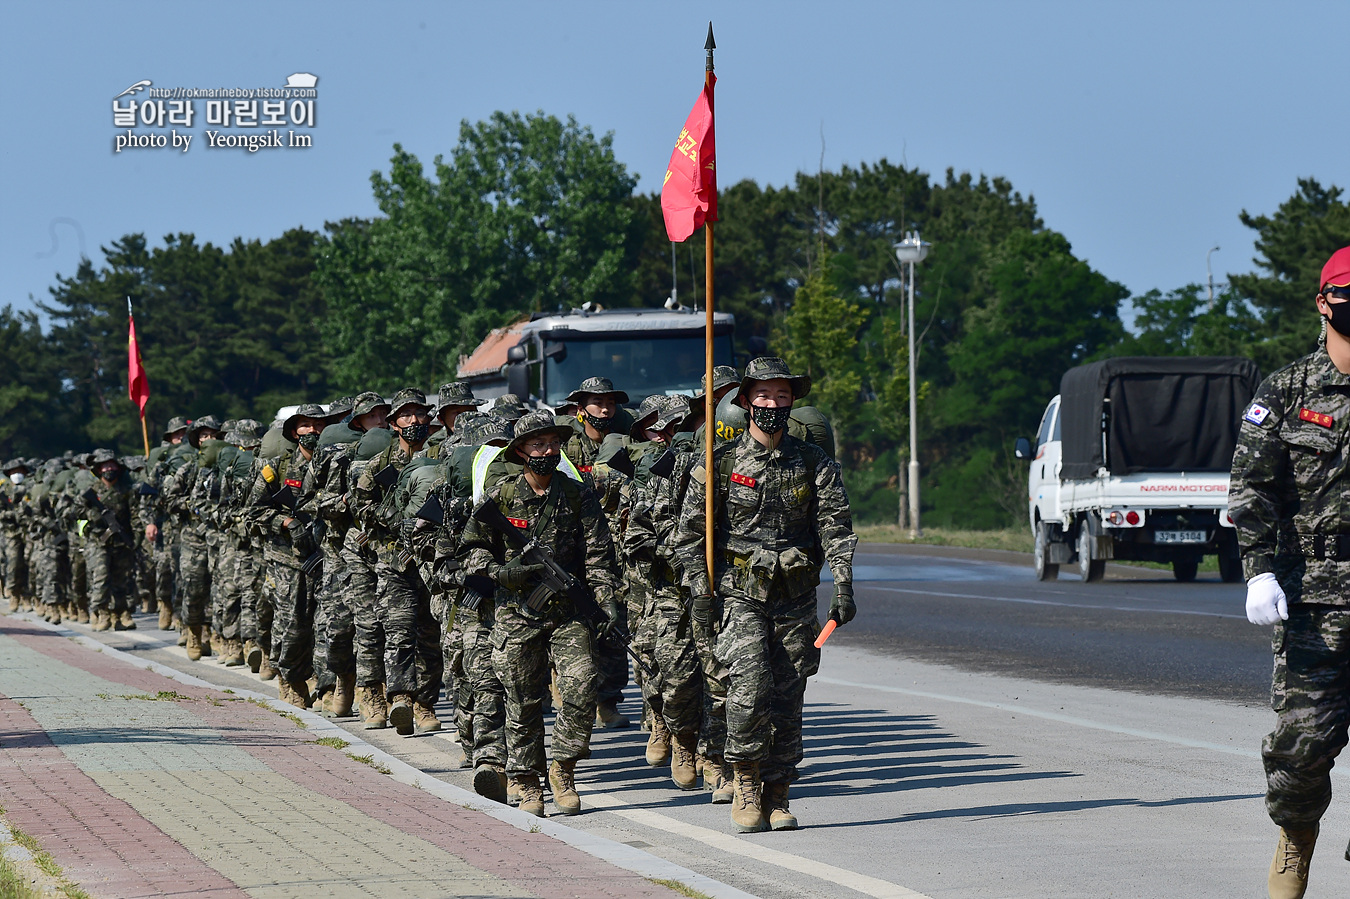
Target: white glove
{"x": 1265, "y": 600}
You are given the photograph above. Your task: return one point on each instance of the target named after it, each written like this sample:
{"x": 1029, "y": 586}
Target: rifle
{"x": 287, "y": 500}
{"x": 557, "y": 581}
{"x": 109, "y": 517}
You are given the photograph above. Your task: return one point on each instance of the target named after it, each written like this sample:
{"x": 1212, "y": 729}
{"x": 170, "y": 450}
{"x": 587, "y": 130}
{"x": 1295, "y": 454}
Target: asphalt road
{"x": 1137, "y": 630}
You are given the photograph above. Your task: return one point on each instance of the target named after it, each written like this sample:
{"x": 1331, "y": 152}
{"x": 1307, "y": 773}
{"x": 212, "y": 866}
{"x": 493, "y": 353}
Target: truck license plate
{"x": 1179, "y": 536}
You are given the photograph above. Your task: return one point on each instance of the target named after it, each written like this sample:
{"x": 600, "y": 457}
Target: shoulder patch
{"x": 1256, "y": 414}
{"x": 269, "y": 474}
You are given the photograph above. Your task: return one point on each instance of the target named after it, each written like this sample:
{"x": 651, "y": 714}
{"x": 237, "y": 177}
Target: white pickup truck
{"x": 1131, "y": 462}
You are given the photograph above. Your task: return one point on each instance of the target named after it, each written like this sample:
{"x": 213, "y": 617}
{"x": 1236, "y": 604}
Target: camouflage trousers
{"x": 77, "y": 594}
{"x": 333, "y": 629}
{"x": 166, "y": 566}
{"x": 456, "y": 680}
{"x": 145, "y": 574}
{"x": 228, "y": 583}
{"x": 712, "y": 734}
{"x": 16, "y": 564}
{"x": 768, "y": 650}
{"x": 255, "y": 613}
{"x": 292, "y": 596}
{"x": 413, "y": 662}
{"x": 611, "y": 663}
{"x": 194, "y": 574}
{"x": 486, "y": 719}
{"x": 676, "y": 691}
{"x": 522, "y": 650}
{"x": 1310, "y": 693}
{"x": 51, "y": 570}
{"x": 358, "y": 594}
{"x": 109, "y": 567}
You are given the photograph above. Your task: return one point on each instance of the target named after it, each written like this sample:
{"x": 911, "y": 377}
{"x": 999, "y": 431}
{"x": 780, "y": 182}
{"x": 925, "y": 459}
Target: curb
{"x": 619, "y": 854}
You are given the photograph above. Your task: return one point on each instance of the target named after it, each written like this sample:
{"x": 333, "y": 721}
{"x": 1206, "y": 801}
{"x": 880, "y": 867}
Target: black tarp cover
{"x": 1163, "y": 413}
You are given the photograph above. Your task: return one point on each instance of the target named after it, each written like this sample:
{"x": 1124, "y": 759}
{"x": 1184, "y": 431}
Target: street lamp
{"x": 1209, "y": 271}
{"x": 912, "y": 250}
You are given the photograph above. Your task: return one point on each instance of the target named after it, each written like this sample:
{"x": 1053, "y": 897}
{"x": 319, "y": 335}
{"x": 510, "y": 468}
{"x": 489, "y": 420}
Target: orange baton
{"x": 825, "y": 632}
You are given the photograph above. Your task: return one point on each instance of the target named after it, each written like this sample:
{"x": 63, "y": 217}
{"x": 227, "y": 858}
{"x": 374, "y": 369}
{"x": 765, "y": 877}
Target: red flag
{"x": 138, "y": 386}
{"x": 689, "y": 192}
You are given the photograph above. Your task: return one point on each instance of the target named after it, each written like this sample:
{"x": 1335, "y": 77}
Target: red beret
{"x": 1337, "y": 270}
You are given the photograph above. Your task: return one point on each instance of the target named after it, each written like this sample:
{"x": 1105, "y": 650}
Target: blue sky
{"x": 1142, "y": 129}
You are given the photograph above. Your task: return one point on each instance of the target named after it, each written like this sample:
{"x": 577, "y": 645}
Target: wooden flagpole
{"x": 709, "y": 411}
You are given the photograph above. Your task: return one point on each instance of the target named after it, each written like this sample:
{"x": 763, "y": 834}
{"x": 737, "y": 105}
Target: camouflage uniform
{"x": 13, "y": 514}
{"x": 109, "y": 560}
{"x": 186, "y": 500}
{"x": 781, "y": 513}
{"x": 412, "y": 652}
{"x": 1288, "y": 500}
{"x": 567, "y": 521}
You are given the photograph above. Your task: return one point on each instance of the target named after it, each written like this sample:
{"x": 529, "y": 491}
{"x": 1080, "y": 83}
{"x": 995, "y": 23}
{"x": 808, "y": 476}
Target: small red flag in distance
{"x": 689, "y": 192}
{"x": 138, "y": 385}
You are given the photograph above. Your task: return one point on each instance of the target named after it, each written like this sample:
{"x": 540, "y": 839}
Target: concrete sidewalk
{"x": 141, "y": 785}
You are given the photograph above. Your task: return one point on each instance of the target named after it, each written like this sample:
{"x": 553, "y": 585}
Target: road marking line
{"x": 1047, "y": 602}
{"x": 725, "y": 842}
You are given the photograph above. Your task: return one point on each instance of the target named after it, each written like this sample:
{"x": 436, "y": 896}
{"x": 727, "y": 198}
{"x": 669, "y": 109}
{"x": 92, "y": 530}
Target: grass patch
{"x": 1012, "y": 539}
{"x": 45, "y": 863}
{"x": 161, "y": 696}
{"x": 370, "y": 760}
{"x": 293, "y": 718}
{"x": 13, "y": 883}
{"x": 335, "y": 742}
{"x": 676, "y": 886}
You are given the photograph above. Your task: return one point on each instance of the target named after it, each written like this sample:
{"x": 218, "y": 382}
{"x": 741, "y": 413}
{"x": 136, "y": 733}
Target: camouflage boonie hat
{"x": 538, "y": 424}
{"x": 101, "y": 455}
{"x": 177, "y": 423}
{"x": 367, "y": 402}
{"x": 204, "y": 423}
{"x": 771, "y": 368}
{"x": 341, "y": 406}
{"x": 493, "y": 430}
{"x": 247, "y": 434}
{"x": 14, "y": 465}
{"x": 647, "y": 411}
{"x": 508, "y": 407}
{"x": 673, "y": 410}
{"x": 408, "y": 396}
{"x": 133, "y": 463}
{"x": 307, "y": 410}
{"x": 468, "y": 422}
{"x": 229, "y": 424}
{"x": 455, "y": 393}
{"x": 723, "y": 376}
{"x": 81, "y": 459}
{"x": 597, "y": 387}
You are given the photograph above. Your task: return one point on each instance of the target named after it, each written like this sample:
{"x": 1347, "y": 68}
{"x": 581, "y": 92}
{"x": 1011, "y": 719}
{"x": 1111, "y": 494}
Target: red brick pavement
{"x": 538, "y": 863}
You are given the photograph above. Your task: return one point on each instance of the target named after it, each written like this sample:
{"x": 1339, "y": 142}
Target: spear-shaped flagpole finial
{"x": 710, "y": 45}
{"x": 128, "y": 305}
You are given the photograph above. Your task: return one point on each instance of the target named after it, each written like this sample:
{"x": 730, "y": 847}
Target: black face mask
{"x": 109, "y": 476}
{"x": 543, "y": 465}
{"x": 415, "y": 433}
{"x": 308, "y": 442}
{"x": 770, "y": 419}
{"x": 1339, "y": 319}
{"x": 600, "y": 424}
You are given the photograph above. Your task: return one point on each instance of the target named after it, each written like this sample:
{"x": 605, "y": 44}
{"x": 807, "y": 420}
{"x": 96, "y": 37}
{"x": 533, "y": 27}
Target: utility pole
{"x": 1209, "y": 271}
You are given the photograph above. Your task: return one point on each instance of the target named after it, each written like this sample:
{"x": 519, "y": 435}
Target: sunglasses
{"x": 1340, "y": 293}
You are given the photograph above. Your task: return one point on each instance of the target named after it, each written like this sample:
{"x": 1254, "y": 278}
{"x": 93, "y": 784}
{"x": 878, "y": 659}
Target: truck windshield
{"x": 639, "y": 366}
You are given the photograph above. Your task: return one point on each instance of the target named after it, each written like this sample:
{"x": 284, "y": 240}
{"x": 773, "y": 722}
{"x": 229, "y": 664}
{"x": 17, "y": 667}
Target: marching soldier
{"x": 109, "y": 550}
{"x": 13, "y": 512}
{"x": 182, "y": 500}
{"x": 564, "y": 517}
{"x": 781, "y": 512}
{"x": 1287, "y": 500}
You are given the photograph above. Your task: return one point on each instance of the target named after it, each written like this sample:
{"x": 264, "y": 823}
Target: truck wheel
{"x": 1230, "y": 567}
{"x": 1089, "y": 568}
{"x": 1184, "y": 569}
{"x": 1045, "y": 571}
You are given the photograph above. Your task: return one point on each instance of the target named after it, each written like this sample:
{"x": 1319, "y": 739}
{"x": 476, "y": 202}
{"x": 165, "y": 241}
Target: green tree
{"x": 528, "y": 213}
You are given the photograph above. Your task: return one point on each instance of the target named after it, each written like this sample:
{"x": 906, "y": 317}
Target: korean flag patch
{"x": 1256, "y": 414}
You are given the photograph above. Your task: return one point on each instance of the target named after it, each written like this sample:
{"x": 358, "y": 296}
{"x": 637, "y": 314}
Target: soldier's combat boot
{"x": 1289, "y": 868}
{"x": 717, "y": 775}
{"x": 234, "y": 654}
{"x": 607, "y": 715}
{"x": 512, "y": 792}
{"x": 253, "y": 656}
{"x": 194, "y": 640}
{"x": 746, "y": 813}
{"x": 562, "y": 781}
{"x": 658, "y": 743}
{"x": 489, "y": 781}
{"x": 775, "y": 802}
{"x": 343, "y": 694}
{"x": 683, "y": 769}
{"x": 165, "y": 616}
{"x": 424, "y": 718}
{"x": 531, "y": 794}
{"x": 295, "y": 692}
{"x": 125, "y": 621}
{"x": 82, "y": 616}
{"x": 374, "y": 709}
{"x": 13, "y": 601}
{"x": 265, "y": 669}
{"x": 401, "y": 714}
{"x": 182, "y": 633}
{"x": 206, "y": 640}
